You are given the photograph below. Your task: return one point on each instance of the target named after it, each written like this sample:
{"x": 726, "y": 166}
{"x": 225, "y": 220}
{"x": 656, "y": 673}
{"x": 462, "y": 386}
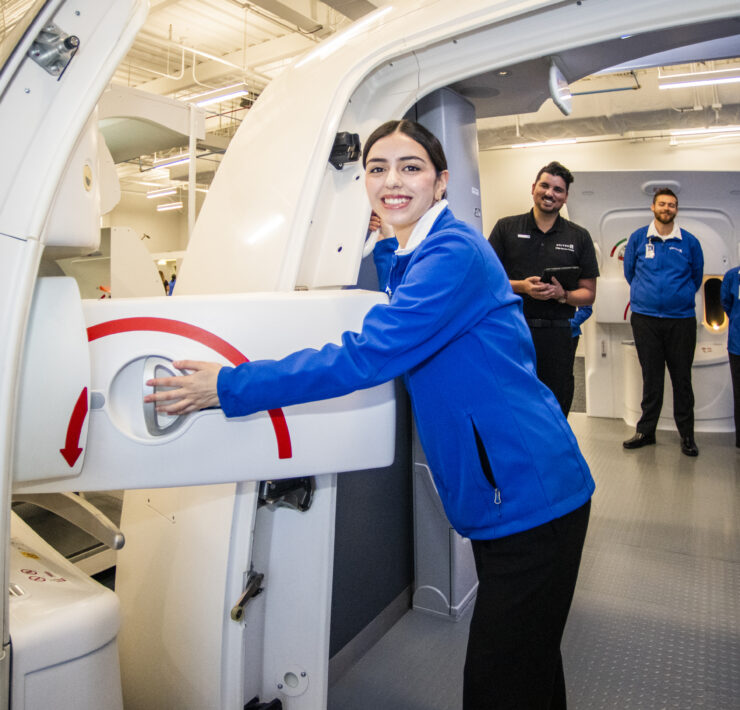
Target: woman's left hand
{"x": 189, "y": 393}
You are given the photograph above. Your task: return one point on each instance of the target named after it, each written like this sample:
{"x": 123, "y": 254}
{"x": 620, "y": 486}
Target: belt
{"x": 544, "y": 323}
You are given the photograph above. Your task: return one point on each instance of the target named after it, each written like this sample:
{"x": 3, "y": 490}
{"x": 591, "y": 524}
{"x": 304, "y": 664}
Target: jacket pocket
{"x": 485, "y": 464}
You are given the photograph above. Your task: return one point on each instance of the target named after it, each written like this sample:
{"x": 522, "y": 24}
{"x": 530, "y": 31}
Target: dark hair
{"x": 426, "y": 139}
{"x": 665, "y": 191}
{"x": 559, "y": 170}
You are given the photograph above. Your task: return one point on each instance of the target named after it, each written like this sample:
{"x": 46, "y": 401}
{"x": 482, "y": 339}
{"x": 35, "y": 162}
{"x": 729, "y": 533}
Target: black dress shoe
{"x": 688, "y": 446}
{"x": 639, "y": 440}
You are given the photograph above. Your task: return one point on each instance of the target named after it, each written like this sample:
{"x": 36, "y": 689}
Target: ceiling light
{"x": 161, "y": 192}
{"x": 705, "y": 131}
{"x": 174, "y": 160}
{"x": 700, "y": 82}
{"x": 169, "y": 206}
{"x": 225, "y": 93}
{"x": 539, "y": 144}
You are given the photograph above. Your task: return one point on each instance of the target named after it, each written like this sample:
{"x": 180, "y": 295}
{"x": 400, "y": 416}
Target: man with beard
{"x": 664, "y": 265}
{"x": 540, "y": 239}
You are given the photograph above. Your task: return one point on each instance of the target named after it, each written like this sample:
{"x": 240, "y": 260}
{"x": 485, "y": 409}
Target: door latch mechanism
{"x": 253, "y": 588}
{"x": 53, "y": 49}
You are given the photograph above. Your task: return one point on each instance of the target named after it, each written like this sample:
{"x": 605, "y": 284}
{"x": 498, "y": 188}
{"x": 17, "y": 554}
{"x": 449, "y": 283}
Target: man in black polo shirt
{"x": 529, "y": 243}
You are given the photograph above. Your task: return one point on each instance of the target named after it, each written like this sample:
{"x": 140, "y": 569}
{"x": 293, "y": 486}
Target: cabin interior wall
{"x": 168, "y": 231}
{"x": 507, "y": 175}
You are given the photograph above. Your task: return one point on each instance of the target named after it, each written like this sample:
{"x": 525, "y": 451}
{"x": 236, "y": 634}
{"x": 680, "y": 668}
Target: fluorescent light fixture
{"x": 223, "y": 97}
{"x": 705, "y": 131}
{"x": 539, "y": 144}
{"x": 161, "y": 192}
{"x": 704, "y": 138}
{"x": 700, "y": 82}
{"x": 167, "y": 206}
{"x": 695, "y": 74}
{"x": 169, "y": 162}
{"x": 225, "y": 93}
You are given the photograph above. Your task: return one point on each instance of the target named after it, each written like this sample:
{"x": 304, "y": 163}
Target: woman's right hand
{"x": 385, "y": 231}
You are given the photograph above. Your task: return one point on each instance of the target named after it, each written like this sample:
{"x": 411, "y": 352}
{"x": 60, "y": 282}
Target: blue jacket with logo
{"x": 664, "y": 286}
{"x": 502, "y": 454}
{"x": 730, "y": 297}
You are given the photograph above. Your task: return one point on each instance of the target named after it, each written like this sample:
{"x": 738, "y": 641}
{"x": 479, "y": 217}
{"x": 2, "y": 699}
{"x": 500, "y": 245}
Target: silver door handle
{"x": 159, "y": 423}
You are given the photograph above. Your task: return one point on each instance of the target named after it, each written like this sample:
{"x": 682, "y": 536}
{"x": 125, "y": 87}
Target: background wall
{"x": 168, "y": 231}
{"x": 507, "y": 175}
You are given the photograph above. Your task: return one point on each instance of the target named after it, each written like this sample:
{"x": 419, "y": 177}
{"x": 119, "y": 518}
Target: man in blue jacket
{"x": 664, "y": 266}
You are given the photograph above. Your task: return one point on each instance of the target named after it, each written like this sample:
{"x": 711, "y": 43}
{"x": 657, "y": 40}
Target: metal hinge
{"x": 253, "y": 588}
{"x": 295, "y": 493}
{"x": 53, "y": 49}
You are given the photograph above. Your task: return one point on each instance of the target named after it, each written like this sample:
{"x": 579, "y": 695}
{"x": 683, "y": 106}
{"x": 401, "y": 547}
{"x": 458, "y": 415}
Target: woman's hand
{"x": 188, "y": 393}
{"x": 385, "y": 231}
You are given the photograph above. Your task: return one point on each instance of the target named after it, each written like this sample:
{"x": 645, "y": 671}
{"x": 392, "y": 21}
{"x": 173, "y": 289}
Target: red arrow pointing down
{"x": 72, "y": 450}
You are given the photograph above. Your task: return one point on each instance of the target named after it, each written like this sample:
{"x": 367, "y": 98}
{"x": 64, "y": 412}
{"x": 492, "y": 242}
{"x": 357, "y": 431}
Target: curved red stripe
{"x": 626, "y": 309}
{"x": 200, "y": 335}
{"x": 614, "y": 248}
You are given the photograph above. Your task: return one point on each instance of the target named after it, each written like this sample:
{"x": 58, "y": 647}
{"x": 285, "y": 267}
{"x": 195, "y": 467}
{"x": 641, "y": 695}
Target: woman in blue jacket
{"x": 730, "y": 298}
{"x": 505, "y": 462}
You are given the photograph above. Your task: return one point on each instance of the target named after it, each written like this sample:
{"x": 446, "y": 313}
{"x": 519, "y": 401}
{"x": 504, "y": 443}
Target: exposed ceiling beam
{"x": 255, "y": 56}
{"x": 156, "y": 5}
{"x": 284, "y": 12}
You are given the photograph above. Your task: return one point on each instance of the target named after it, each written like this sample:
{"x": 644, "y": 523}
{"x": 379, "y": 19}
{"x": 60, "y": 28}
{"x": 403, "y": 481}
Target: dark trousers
{"x": 735, "y": 372}
{"x": 572, "y": 382}
{"x": 662, "y": 342}
{"x": 555, "y": 357}
{"x": 525, "y": 588}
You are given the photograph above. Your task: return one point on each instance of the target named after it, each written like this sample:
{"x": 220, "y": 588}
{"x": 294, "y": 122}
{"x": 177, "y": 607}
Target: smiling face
{"x": 549, "y": 193}
{"x": 402, "y": 182}
{"x": 665, "y": 208}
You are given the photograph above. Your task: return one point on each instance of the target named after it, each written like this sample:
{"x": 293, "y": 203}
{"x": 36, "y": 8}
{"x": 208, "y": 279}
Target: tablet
{"x": 567, "y": 276}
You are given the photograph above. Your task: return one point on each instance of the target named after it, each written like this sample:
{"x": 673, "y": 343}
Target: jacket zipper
{"x": 486, "y": 466}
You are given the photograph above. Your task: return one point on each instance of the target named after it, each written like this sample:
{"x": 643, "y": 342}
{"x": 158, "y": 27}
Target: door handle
{"x": 159, "y": 423}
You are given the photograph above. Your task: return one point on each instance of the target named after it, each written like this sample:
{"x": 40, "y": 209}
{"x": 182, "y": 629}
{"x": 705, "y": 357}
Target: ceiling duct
{"x": 353, "y": 9}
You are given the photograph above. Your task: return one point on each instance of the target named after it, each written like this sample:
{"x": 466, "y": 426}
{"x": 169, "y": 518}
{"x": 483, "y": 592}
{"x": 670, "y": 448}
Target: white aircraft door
{"x": 87, "y": 428}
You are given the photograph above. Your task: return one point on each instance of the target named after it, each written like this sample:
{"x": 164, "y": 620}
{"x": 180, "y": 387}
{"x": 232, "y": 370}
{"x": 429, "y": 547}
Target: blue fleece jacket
{"x": 501, "y": 452}
{"x": 730, "y": 297}
{"x": 665, "y": 285}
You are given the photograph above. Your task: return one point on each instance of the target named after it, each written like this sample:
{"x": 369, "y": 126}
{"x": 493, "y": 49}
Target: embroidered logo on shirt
{"x": 679, "y": 250}
{"x": 565, "y": 247}
{"x": 523, "y": 236}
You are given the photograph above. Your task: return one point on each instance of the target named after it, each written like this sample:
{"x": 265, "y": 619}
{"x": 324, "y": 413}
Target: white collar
{"x": 653, "y": 232}
{"x": 422, "y": 227}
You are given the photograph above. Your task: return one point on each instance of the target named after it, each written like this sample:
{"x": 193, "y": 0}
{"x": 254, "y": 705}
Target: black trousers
{"x": 662, "y": 342}
{"x": 525, "y": 588}
{"x": 555, "y": 357}
{"x": 735, "y": 372}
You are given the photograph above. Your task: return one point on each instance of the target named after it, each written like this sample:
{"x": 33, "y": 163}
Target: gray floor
{"x": 655, "y": 623}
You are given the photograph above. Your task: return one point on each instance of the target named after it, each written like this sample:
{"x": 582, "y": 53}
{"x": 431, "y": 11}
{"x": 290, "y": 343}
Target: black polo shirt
{"x": 526, "y": 251}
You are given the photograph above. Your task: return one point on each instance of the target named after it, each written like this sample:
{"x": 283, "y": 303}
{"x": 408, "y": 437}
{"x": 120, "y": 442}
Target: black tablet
{"x": 567, "y": 276}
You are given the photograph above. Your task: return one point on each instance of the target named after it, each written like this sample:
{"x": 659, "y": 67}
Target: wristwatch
{"x": 564, "y": 298}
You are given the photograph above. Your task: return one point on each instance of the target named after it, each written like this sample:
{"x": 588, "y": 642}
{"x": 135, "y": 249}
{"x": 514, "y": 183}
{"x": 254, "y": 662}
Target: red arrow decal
{"x": 200, "y": 335}
{"x": 72, "y": 450}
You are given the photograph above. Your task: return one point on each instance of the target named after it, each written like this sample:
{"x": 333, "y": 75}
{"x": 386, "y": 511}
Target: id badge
{"x": 650, "y": 250}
